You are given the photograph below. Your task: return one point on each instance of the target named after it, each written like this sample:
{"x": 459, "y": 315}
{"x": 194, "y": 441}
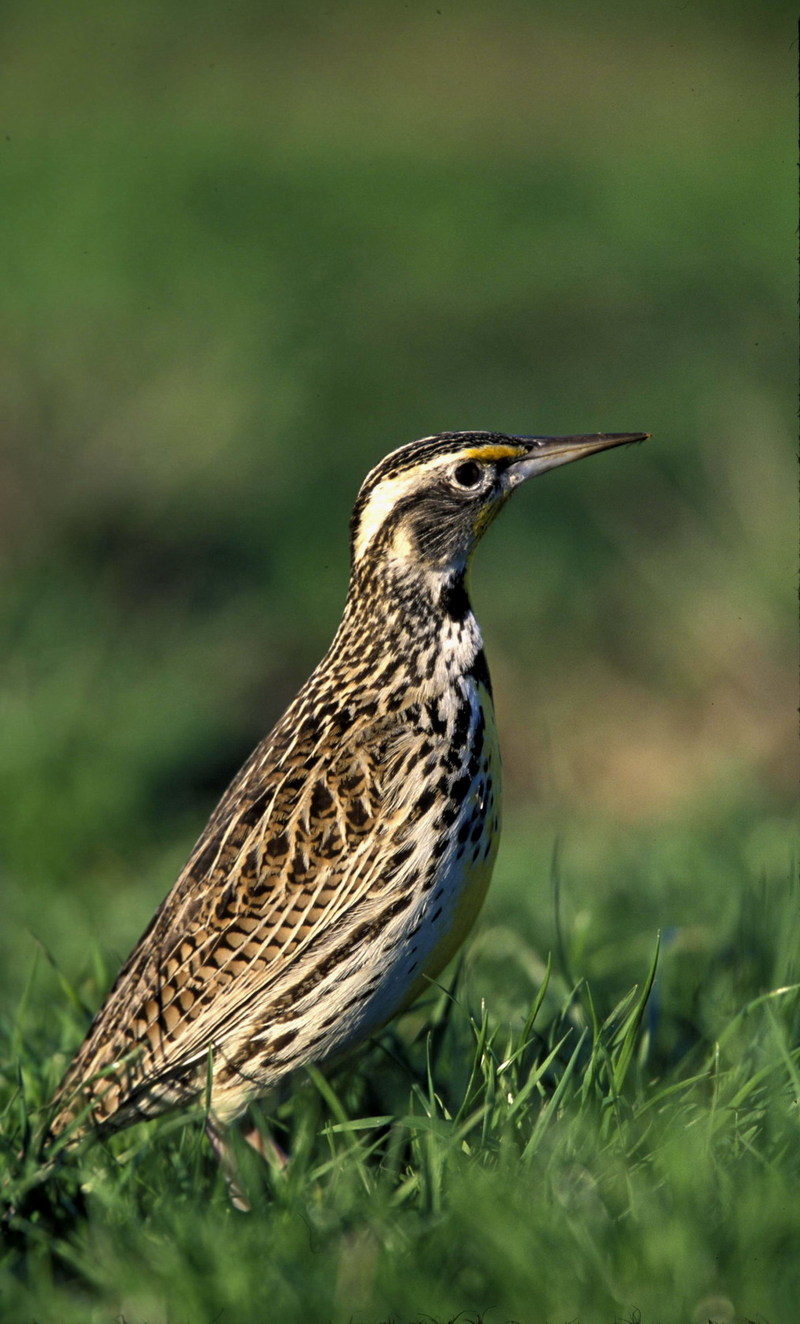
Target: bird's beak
{"x": 545, "y": 453}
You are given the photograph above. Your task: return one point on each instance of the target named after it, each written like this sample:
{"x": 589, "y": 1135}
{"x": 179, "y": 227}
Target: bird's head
{"x": 428, "y": 503}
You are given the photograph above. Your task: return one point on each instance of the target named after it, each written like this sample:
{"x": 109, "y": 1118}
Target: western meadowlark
{"x": 349, "y": 857}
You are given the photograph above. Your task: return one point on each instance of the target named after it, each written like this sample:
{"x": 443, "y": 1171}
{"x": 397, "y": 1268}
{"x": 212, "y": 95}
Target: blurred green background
{"x": 248, "y": 249}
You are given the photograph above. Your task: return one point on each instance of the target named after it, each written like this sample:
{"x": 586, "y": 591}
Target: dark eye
{"x": 467, "y": 474}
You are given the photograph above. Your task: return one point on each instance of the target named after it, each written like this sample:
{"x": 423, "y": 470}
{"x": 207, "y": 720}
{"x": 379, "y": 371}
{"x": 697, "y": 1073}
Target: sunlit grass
{"x": 575, "y": 1160}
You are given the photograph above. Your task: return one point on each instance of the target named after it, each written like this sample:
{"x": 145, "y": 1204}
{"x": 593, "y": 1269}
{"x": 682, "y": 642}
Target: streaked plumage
{"x": 348, "y": 858}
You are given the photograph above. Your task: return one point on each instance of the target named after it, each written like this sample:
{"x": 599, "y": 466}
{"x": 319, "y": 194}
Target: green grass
{"x": 570, "y": 1159}
{"x": 241, "y": 258}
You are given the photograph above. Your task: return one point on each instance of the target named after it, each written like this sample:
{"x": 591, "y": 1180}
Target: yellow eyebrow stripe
{"x": 493, "y": 452}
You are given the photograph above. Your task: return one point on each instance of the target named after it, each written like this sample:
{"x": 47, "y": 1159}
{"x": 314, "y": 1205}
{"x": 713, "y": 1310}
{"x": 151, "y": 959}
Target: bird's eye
{"x": 467, "y": 474}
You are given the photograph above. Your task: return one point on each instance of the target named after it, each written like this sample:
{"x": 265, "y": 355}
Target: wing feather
{"x": 293, "y": 848}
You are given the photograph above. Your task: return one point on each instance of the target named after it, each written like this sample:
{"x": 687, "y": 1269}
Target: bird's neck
{"x": 411, "y": 624}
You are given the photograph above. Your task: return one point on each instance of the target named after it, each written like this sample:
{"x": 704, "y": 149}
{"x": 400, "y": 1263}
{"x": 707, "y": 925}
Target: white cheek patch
{"x": 402, "y": 545}
{"x": 379, "y": 504}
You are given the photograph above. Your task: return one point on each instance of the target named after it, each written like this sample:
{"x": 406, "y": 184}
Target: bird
{"x": 347, "y": 860}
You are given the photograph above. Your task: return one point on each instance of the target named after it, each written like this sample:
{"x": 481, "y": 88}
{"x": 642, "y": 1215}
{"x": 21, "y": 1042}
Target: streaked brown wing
{"x": 287, "y": 852}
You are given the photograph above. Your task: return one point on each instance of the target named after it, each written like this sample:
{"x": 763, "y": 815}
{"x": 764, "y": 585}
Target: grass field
{"x": 242, "y": 257}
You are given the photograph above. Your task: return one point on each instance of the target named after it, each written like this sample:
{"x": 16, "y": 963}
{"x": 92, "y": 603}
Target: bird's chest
{"x": 459, "y": 849}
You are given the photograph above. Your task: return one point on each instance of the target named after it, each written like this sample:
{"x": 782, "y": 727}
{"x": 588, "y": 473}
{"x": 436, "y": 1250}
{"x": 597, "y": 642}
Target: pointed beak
{"x": 545, "y": 453}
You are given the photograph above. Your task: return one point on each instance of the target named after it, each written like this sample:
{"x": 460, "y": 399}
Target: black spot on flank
{"x": 460, "y": 787}
{"x": 329, "y": 1021}
{"x": 448, "y": 815}
{"x": 397, "y": 907}
{"x": 461, "y": 727}
{"x": 438, "y": 723}
{"x": 479, "y": 671}
{"x": 283, "y": 1040}
{"x": 454, "y": 600}
{"x": 425, "y": 800}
